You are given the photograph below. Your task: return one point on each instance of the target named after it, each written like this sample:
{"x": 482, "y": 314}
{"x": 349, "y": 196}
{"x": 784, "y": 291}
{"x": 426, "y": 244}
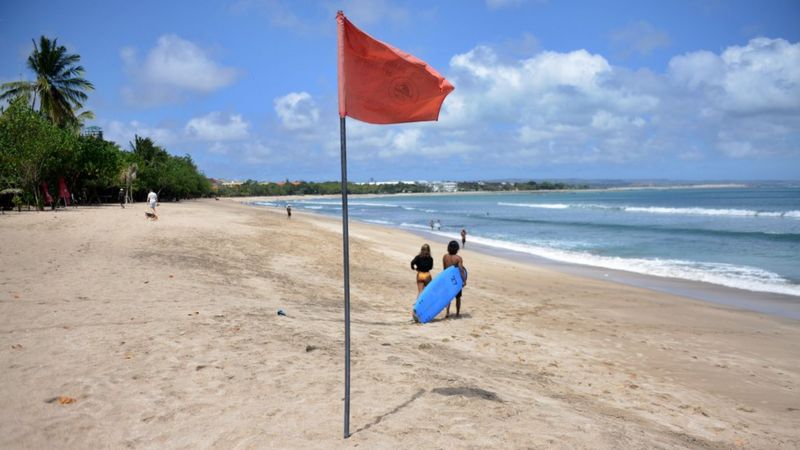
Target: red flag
{"x": 63, "y": 192}
{"x": 48, "y": 199}
{"x": 381, "y": 84}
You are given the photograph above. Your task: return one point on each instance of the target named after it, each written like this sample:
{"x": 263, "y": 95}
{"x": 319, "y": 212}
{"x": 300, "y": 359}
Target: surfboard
{"x": 438, "y": 294}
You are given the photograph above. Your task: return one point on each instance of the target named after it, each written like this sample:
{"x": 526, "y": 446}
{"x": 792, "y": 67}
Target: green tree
{"x": 152, "y": 165}
{"x": 59, "y": 87}
{"x": 92, "y": 165}
{"x": 171, "y": 177}
{"x": 29, "y": 144}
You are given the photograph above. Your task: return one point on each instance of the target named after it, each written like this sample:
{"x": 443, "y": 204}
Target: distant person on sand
{"x": 423, "y": 263}
{"x": 463, "y": 237}
{"x": 152, "y": 201}
{"x": 289, "y": 211}
{"x": 452, "y": 259}
{"x": 121, "y": 197}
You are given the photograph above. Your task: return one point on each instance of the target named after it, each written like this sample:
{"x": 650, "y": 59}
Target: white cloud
{"x": 297, "y": 110}
{"x": 551, "y": 108}
{"x": 171, "y": 70}
{"x": 747, "y": 98}
{"x": 761, "y": 77}
{"x": 567, "y": 107}
{"x": 543, "y": 84}
{"x": 215, "y": 126}
{"x": 399, "y": 143}
{"x": 576, "y": 108}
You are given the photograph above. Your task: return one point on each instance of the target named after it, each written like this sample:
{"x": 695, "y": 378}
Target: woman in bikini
{"x": 423, "y": 263}
{"x": 452, "y": 259}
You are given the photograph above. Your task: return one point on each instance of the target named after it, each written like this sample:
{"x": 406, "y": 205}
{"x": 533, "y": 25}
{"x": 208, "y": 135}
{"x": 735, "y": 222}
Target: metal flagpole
{"x": 346, "y": 253}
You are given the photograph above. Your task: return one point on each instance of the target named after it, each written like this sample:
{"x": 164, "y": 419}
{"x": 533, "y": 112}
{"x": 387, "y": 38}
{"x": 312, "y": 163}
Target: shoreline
{"x": 780, "y": 305}
{"x": 538, "y": 191}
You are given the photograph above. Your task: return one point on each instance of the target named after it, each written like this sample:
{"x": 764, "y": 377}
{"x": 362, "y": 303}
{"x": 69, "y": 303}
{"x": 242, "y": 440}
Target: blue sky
{"x": 692, "y": 90}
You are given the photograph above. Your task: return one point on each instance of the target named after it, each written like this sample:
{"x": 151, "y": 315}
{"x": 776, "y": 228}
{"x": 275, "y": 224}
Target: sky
{"x": 679, "y": 89}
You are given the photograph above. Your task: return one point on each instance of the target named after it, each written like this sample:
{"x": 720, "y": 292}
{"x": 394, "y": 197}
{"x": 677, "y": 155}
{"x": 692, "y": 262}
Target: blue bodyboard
{"x": 438, "y": 294}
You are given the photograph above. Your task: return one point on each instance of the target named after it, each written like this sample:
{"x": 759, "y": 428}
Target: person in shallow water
{"x": 423, "y": 263}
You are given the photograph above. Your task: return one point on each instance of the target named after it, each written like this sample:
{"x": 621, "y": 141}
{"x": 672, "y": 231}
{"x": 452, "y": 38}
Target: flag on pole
{"x": 377, "y": 84}
{"x": 381, "y": 84}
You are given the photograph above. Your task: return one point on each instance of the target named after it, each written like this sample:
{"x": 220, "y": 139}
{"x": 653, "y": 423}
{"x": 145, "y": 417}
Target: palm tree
{"x": 59, "y": 86}
{"x": 130, "y": 175}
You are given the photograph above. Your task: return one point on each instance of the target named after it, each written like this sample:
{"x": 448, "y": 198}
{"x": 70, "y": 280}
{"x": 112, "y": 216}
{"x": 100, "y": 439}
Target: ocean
{"x": 740, "y": 237}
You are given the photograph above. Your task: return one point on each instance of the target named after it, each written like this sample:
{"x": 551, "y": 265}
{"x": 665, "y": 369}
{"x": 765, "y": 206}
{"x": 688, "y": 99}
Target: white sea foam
{"x": 317, "y": 202}
{"x": 731, "y": 212}
{"x": 377, "y": 205}
{"x": 691, "y": 211}
{"x": 741, "y": 277}
{"x": 379, "y": 222}
{"x": 415, "y": 226}
{"x": 536, "y": 205}
{"x": 411, "y": 208}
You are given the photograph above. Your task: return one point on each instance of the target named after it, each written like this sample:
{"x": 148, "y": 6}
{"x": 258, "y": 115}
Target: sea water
{"x": 744, "y": 237}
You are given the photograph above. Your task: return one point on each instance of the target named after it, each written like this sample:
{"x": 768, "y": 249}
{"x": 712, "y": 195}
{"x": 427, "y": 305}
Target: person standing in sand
{"x": 152, "y": 200}
{"x": 121, "y": 197}
{"x": 463, "y": 237}
{"x": 423, "y": 263}
{"x": 289, "y": 211}
{"x": 452, "y": 259}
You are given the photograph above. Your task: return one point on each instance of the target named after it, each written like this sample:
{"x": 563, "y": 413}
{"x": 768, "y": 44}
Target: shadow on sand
{"x": 378, "y": 419}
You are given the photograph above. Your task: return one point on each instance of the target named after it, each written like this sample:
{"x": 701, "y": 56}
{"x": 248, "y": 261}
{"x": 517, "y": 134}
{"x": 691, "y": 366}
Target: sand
{"x": 119, "y": 332}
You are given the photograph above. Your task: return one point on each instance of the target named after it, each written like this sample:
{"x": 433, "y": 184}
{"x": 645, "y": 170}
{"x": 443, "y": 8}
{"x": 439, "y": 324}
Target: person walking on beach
{"x": 452, "y": 259}
{"x": 289, "y": 211}
{"x": 431, "y": 224}
{"x": 121, "y": 197}
{"x": 463, "y": 237}
{"x": 152, "y": 200}
{"x": 423, "y": 263}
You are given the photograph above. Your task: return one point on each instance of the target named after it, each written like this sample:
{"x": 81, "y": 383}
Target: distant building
{"x": 219, "y": 182}
{"x": 381, "y": 183}
{"x": 93, "y": 131}
{"x": 444, "y": 186}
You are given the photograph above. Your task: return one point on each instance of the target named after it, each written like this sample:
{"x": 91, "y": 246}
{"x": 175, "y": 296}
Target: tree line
{"x": 253, "y": 188}
{"x": 42, "y": 148}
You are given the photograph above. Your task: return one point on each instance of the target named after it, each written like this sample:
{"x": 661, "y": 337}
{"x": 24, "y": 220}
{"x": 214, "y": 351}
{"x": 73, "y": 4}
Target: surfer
{"x": 423, "y": 263}
{"x": 463, "y": 238}
{"x": 452, "y": 259}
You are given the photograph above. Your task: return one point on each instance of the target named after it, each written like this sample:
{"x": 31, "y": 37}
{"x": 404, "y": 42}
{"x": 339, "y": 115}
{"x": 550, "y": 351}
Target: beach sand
{"x": 120, "y": 332}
